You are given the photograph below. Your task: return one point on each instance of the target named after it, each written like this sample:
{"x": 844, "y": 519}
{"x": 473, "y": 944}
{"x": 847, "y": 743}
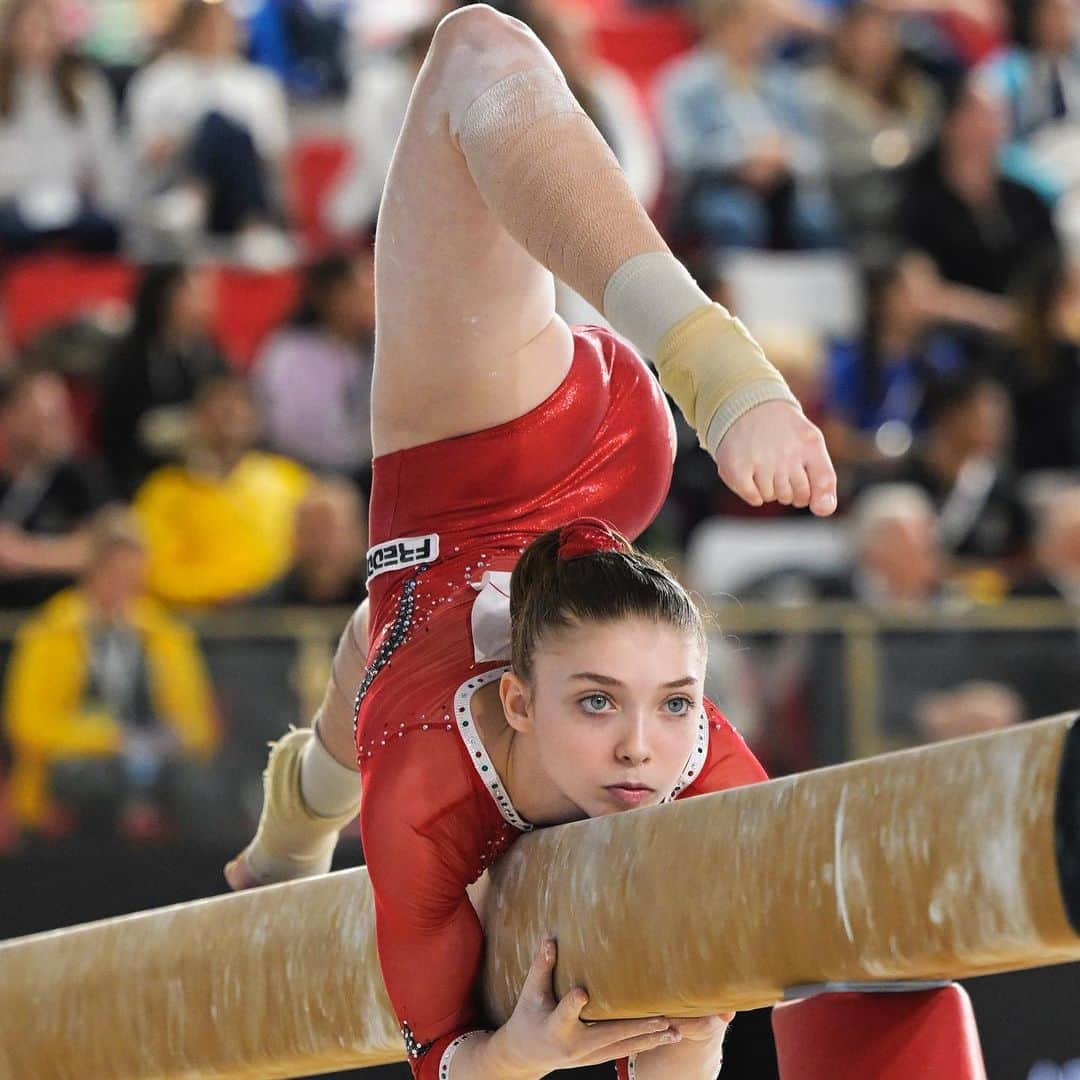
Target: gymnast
{"x": 512, "y": 456}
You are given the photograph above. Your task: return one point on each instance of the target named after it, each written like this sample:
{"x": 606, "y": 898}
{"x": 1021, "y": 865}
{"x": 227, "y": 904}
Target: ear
{"x": 516, "y": 697}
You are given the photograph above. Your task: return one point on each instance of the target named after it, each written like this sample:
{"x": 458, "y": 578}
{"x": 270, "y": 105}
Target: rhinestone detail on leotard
{"x": 399, "y": 632}
{"x": 478, "y": 754}
{"x": 413, "y": 1047}
{"x": 694, "y": 763}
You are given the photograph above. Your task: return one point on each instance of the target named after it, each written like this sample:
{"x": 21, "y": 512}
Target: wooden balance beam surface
{"x": 951, "y": 860}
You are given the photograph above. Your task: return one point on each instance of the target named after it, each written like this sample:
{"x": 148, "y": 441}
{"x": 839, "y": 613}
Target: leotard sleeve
{"x": 423, "y": 842}
{"x": 730, "y": 762}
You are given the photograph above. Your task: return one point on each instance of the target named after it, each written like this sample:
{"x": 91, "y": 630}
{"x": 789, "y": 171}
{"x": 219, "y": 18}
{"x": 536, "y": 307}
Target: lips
{"x": 630, "y": 794}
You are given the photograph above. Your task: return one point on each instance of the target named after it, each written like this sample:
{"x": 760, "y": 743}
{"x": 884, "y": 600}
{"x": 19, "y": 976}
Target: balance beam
{"x": 947, "y": 861}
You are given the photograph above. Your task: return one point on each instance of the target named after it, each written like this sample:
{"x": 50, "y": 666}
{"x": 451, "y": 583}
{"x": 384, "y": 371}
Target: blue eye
{"x": 681, "y": 705}
{"x": 595, "y": 703}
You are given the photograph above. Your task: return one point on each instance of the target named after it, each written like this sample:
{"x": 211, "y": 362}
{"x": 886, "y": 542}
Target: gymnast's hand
{"x": 774, "y": 454}
{"x": 700, "y": 1054}
{"x": 543, "y": 1034}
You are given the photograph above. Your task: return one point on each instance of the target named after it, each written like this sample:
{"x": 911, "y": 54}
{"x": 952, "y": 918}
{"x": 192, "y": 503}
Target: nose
{"x": 633, "y": 745}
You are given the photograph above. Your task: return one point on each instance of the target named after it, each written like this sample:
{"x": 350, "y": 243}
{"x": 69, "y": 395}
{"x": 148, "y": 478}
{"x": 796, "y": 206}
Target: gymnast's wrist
{"x": 490, "y": 1056}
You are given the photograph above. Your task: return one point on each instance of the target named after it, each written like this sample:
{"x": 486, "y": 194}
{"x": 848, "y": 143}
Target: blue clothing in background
{"x": 851, "y": 395}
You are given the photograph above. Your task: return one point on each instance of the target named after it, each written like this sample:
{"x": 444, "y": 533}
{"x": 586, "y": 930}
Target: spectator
{"x": 47, "y": 495}
{"x": 876, "y": 385}
{"x": 968, "y": 709}
{"x": 153, "y": 375}
{"x": 976, "y": 225}
{"x": 1057, "y": 550}
{"x": 303, "y": 41}
{"x": 58, "y": 182}
{"x": 749, "y": 170}
{"x": 220, "y": 526}
{"x": 1041, "y": 365}
{"x": 878, "y": 114}
{"x": 208, "y": 134}
{"x": 1038, "y": 78}
{"x": 962, "y": 466}
{"x": 374, "y": 113}
{"x": 899, "y": 560}
{"x": 107, "y": 700}
{"x": 329, "y": 544}
{"x": 313, "y": 377}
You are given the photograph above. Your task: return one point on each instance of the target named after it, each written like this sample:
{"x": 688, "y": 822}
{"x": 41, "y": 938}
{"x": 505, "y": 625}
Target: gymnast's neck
{"x": 514, "y": 755}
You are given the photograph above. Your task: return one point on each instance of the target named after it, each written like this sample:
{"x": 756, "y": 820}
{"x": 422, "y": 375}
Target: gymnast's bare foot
{"x": 239, "y": 875}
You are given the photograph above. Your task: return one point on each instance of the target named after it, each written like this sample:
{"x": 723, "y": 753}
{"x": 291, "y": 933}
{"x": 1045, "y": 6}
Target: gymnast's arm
{"x": 422, "y": 848}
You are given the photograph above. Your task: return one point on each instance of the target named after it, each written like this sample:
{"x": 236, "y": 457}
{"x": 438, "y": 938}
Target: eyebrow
{"x": 607, "y": 680}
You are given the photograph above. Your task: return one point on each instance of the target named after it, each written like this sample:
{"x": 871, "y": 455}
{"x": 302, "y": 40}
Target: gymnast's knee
{"x": 477, "y": 46}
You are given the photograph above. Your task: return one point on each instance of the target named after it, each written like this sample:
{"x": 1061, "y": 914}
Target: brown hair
{"x": 551, "y": 592}
{"x": 65, "y": 73}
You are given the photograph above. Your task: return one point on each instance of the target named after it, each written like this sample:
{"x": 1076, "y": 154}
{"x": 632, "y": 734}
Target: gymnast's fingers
{"x": 605, "y": 1034}
{"x": 702, "y": 1028}
{"x": 636, "y": 1044}
{"x": 537, "y": 992}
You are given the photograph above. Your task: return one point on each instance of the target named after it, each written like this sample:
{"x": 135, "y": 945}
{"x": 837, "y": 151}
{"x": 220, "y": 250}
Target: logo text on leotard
{"x": 397, "y": 554}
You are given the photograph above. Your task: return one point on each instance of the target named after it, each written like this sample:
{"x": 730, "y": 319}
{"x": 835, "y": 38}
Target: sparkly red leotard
{"x": 443, "y": 515}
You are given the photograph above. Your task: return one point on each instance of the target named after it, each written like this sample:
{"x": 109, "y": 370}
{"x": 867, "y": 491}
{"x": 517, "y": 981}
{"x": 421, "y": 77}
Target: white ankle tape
{"x": 327, "y": 787}
{"x": 707, "y": 360}
{"x": 648, "y": 295}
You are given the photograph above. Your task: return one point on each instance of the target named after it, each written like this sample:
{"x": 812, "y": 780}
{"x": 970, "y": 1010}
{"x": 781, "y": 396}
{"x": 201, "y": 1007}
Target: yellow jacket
{"x": 43, "y": 697}
{"x": 220, "y": 538}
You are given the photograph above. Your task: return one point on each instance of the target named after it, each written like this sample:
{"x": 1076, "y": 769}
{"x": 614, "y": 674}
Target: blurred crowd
{"x": 888, "y": 191}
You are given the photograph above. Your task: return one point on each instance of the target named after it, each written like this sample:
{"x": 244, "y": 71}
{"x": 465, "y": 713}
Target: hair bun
{"x": 586, "y": 536}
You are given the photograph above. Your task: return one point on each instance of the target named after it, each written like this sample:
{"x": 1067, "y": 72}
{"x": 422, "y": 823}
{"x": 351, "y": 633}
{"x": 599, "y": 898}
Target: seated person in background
{"x": 1040, "y": 365}
{"x": 899, "y": 561}
{"x": 962, "y": 464}
{"x": 1057, "y": 550}
{"x": 220, "y": 525}
{"x": 152, "y": 376}
{"x": 374, "y": 113}
{"x": 876, "y": 384}
{"x": 968, "y": 709}
{"x": 208, "y": 132}
{"x": 107, "y": 698}
{"x": 313, "y": 376}
{"x": 47, "y": 494}
{"x": 329, "y": 545}
{"x": 878, "y": 114}
{"x": 1038, "y": 78}
{"x": 749, "y": 168}
{"x": 978, "y": 226}
{"x": 58, "y": 182}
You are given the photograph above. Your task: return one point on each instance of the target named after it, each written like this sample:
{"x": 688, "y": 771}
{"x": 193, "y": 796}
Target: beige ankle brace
{"x": 716, "y": 372}
{"x": 291, "y": 841}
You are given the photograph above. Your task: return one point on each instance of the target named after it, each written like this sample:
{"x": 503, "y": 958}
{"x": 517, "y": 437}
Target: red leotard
{"x": 434, "y": 813}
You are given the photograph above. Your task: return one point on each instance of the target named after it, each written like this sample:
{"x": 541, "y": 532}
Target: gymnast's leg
{"x": 500, "y": 177}
{"x": 312, "y": 782}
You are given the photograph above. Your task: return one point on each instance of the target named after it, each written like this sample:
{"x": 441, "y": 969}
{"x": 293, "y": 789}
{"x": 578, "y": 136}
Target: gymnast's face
{"x": 610, "y": 715}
